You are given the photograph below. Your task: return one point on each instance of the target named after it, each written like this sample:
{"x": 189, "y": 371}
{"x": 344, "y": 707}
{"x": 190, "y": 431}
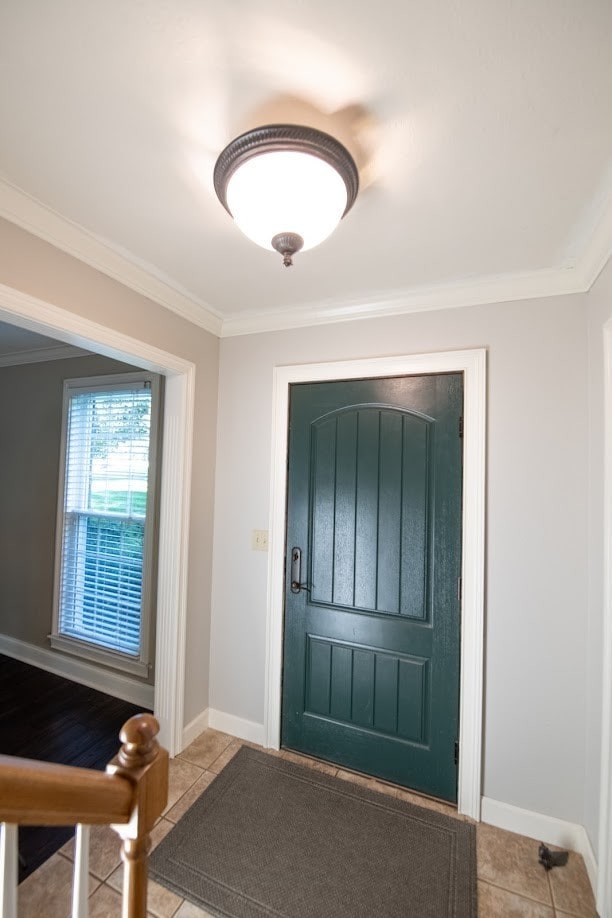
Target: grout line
{"x": 550, "y": 890}
{"x": 515, "y": 893}
{"x": 201, "y": 770}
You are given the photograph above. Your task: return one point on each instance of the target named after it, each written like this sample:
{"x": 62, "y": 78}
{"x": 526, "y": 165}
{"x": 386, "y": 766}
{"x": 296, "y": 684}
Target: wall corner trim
{"x": 604, "y": 891}
{"x": 193, "y": 729}
{"x": 542, "y": 828}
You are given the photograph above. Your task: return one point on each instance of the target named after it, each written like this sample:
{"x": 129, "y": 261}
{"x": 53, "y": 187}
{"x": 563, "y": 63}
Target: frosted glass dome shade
{"x": 286, "y": 192}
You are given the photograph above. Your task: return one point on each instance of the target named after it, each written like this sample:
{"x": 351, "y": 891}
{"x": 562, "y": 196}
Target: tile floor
{"x": 511, "y": 883}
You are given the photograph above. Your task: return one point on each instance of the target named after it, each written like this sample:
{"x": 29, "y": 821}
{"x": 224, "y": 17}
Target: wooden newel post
{"x": 145, "y": 764}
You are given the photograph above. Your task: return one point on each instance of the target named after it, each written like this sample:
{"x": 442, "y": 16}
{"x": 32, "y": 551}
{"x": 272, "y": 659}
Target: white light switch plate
{"x": 259, "y": 540}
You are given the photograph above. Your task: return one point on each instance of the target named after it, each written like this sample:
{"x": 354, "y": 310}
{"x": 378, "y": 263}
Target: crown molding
{"x": 476, "y": 292}
{"x": 40, "y": 220}
{"x": 575, "y": 277}
{"x": 42, "y": 354}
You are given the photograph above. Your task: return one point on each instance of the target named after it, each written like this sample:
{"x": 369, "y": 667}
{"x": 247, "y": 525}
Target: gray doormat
{"x": 268, "y": 837}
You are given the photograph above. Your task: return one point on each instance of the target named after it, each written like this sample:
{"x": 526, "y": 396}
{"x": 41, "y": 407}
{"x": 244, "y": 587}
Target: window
{"x": 105, "y": 515}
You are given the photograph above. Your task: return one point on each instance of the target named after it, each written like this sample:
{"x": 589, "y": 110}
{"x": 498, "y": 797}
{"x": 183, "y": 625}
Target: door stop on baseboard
{"x": 549, "y": 859}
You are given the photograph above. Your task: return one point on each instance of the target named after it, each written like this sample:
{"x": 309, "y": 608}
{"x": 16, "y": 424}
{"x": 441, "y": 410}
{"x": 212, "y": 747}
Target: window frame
{"x": 141, "y": 664}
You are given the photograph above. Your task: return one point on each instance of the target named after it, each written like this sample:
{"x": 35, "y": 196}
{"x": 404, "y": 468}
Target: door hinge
{"x": 461, "y": 427}
{"x": 459, "y": 588}
{"x": 456, "y": 752}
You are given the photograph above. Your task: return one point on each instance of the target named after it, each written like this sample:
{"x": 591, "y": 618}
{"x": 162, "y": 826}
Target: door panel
{"x": 371, "y": 507}
{"x": 341, "y": 680}
{"x": 371, "y": 651}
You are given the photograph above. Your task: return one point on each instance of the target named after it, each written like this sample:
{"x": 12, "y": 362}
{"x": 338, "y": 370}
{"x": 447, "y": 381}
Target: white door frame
{"x": 604, "y": 857}
{"x": 472, "y": 363}
{"x": 47, "y": 319}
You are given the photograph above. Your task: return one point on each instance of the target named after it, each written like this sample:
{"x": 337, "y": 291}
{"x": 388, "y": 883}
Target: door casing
{"x": 472, "y": 364}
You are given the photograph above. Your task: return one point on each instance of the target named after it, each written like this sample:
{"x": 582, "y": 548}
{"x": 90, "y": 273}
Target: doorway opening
{"x": 472, "y": 364}
{"x": 46, "y": 319}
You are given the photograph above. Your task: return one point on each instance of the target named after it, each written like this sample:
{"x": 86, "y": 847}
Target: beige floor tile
{"x": 437, "y": 806}
{"x": 226, "y": 756}
{"x": 48, "y": 891}
{"x": 180, "y": 808}
{"x": 369, "y": 783}
{"x": 511, "y": 882}
{"x": 428, "y": 803}
{"x": 390, "y": 789}
{"x": 159, "y": 832}
{"x": 571, "y": 889}
{"x": 499, "y": 903}
{"x": 104, "y": 851}
{"x": 308, "y": 762}
{"x": 361, "y": 780}
{"x": 189, "y": 910}
{"x": 105, "y": 903}
{"x": 182, "y": 775}
{"x": 115, "y": 881}
{"x": 278, "y": 753}
{"x": 511, "y": 862}
{"x": 206, "y": 748}
{"x": 160, "y": 901}
{"x": 257, "y": 746}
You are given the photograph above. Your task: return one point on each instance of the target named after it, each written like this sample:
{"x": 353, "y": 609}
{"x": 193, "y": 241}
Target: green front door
{"x": 372, "y": 610}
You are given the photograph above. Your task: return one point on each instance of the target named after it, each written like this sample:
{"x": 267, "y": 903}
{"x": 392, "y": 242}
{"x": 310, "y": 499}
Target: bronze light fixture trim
{"x": 287, "y": 186}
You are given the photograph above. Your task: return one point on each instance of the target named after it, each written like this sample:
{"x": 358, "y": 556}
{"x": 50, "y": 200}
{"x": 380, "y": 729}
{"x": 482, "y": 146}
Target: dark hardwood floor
{"x": 43, "y": 716}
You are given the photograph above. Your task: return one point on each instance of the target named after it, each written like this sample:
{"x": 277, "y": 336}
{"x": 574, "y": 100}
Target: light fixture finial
{"x": 287, "y": 244}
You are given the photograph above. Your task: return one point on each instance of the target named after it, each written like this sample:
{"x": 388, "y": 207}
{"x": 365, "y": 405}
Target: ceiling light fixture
{"x": 287, "y": 186}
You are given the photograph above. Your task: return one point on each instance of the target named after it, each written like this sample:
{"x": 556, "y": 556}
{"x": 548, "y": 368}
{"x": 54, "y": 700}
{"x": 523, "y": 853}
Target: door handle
{"x": 296, "y": 571}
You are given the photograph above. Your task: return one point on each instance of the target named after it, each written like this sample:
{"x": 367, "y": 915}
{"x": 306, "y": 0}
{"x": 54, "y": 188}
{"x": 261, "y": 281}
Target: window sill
{"x": 99, "y": 655}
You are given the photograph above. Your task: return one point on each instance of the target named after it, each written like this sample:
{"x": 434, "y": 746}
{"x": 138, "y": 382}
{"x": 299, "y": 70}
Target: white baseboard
{"x": 547, "y": 829}
{"x": 196, "y": 726}
{"x": 590, "y": 861}
{"x": 236, "y": 726}
{"x": 103, "y": 680}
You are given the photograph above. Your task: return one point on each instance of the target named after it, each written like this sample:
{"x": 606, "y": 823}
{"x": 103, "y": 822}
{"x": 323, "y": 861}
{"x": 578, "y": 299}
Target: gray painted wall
{"x": 536, "y": 555}
{"x": 34, "y": 268}
{"x": 543, "y": 648}
{"x": 30, "y": 421}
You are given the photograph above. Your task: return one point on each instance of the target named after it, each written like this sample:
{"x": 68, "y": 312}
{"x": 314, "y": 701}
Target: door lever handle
{"x": 296, "y": 570}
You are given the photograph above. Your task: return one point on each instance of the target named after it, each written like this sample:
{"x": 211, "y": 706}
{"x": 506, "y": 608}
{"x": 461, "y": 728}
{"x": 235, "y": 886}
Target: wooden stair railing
{"x": 130, "y": 796}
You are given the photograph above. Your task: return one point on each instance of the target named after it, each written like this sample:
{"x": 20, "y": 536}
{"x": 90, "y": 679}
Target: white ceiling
{"x": 484, "y": 129}
{"x": 14, "y": 340}
{"x": 20, "y": 345}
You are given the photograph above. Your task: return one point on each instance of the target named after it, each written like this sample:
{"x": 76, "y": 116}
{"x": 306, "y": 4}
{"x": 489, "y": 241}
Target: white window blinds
{"x": 103, "y": 515}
